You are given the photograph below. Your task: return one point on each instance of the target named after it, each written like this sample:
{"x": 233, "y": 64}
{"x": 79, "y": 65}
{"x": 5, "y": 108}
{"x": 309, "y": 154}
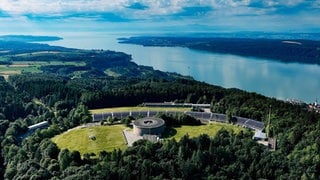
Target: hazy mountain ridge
{"x": 29, "y": 38}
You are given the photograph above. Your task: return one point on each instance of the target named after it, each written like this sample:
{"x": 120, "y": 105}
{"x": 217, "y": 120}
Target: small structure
{"x": 41, "y": 125}
{"x": 151, "y": 138}
{"x": 148, "y": 125}
{"x": 92, "y": 137}
{"x": 259, "y": 135}
{"x": 262, "y": 138}
{"x": 272, "y": 144}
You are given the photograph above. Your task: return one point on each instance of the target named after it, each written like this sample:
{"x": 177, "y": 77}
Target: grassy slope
{"x": 107, "y": 138}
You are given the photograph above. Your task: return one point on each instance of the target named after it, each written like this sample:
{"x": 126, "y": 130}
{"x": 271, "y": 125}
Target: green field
{"x": 19, "y": 67}
{"x": 136, "y": 108}
{"x": 194, "y": 131}
{"x": 106, "y": 138}
{"x": 111, "y": 137}
{"x": 40, "y": 63}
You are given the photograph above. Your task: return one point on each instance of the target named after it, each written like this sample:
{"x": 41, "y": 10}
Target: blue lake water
{"x": 270, "y": 78}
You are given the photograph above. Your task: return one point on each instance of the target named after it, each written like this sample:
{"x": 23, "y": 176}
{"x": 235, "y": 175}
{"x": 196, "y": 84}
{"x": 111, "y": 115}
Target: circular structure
{"x": 148, "y": 125}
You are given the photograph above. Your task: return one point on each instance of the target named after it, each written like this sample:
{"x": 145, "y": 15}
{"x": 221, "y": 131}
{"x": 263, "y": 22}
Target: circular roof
{"x": 149, "y": 122}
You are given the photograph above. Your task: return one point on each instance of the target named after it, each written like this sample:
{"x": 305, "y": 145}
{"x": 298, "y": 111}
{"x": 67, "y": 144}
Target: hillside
{"x": 66, "y": 83}
{"x": 20, "y": 57}
{"x": 284, "y": 50}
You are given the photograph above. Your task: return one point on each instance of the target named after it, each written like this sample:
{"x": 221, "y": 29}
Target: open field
{"x": 8, "y": 72}
{"x": 38, "y": 52}
{"x": 39, "y": 63}
{"x": 18, "y": 67}
{"x": 194, "y": 131}
{"x": 136, "y": 108}
{"x": 112, "y": 73}
{"x": 106, "y": 138}
{"x": 6, "y": 77}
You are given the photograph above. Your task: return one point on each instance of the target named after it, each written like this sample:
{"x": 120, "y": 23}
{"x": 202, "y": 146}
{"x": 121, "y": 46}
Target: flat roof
{"x": 174, "y": 104}
{"x": 259, "y": 134}
{"x": 41, "y": 124}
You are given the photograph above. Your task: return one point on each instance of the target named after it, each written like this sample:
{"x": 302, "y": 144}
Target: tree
{"x": 110, "y": 120}
{"x": 64, "y": 159}
{"x": 76, "y": 158}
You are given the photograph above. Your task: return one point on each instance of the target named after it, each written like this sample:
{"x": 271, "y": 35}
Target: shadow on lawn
{"x": 169, "y": 132}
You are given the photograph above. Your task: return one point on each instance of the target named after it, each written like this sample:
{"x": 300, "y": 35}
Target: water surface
{"x": 270, "y": 78}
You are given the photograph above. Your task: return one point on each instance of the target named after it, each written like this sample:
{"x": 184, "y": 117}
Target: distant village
{"x": 314, "y": 107}
{"x": 311, "y": 106}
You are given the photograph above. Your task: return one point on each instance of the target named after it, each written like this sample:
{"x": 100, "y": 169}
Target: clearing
{"x": 96, "y": 138}
{"x": 194, "y": 131}
{"x": 102, "y": 138}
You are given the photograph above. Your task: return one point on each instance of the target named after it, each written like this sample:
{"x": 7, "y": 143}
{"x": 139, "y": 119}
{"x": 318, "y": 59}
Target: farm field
{"x": 19, "y": 67}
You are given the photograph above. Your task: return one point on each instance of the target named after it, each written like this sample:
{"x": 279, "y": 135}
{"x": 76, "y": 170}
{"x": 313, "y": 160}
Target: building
{"x": 33, "y": 128}
{"x": 148, "y": 126}
{"x": 173, "y": 104}
{"x": 259, "y": 135}
{"x": 41, "y": 125}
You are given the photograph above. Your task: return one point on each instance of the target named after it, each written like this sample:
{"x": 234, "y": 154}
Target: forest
{"x": 64, "y": 101}
{"x": 284, "y": 50}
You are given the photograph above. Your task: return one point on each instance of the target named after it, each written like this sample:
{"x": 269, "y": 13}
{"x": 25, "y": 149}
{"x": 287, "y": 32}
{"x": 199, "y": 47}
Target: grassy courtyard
{"x": 108, "y": 138}
{"x": 194, "y": 131}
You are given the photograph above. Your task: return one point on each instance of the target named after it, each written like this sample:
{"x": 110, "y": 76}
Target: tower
{"x": 269, "y": 119}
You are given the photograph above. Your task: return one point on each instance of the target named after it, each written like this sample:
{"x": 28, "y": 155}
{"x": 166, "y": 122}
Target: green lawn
{"x": 194, "y": 131}
{"x": 111, "y": 137}
{"x": 123, "y": 109}
{"x": 107, "y": 138}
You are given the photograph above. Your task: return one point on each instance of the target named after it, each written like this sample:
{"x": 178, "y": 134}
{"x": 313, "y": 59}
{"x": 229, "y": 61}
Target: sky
{"x": 159, "y": 15}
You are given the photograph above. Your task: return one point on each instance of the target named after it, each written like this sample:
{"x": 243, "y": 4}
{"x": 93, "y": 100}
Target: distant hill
{"x": 29, "y": 38}
{"x": 18, "y": 57}
{"x": 284, "y": 50}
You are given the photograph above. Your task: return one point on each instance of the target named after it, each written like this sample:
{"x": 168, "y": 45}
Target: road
{"x": 203, "y": 116}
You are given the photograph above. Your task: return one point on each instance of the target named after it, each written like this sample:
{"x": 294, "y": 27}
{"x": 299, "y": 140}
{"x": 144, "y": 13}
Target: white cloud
{"x": 223, "y": 13}
{"x": 59, "y": 6}
{"x": 155, "y": 7}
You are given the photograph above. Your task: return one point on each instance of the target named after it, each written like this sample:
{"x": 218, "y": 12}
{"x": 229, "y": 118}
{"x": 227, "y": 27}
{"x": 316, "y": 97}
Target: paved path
{"x": 130, "y": 137}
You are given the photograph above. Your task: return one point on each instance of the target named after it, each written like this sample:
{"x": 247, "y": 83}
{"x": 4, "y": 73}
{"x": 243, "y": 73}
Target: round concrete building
{"x": 148, "y": 125}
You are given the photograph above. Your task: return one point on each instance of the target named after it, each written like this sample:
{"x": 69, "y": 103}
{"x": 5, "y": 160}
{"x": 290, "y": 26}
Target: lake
{"x": 270, "y": 78}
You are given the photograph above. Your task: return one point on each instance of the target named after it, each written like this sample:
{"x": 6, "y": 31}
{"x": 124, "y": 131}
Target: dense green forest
{"x": 292, "y": 50}
{"x": 63, "y": 100}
